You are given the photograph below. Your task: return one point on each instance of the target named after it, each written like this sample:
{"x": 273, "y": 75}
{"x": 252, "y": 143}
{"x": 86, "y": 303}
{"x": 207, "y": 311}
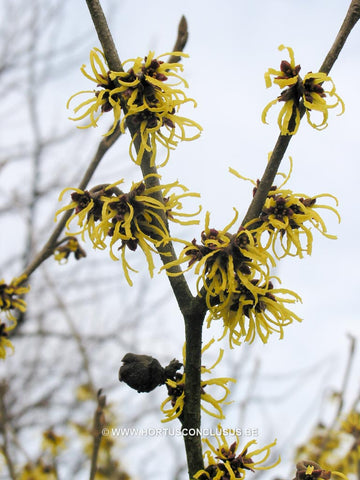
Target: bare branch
{"x": 283, "y": 141}
{"x": 3, "y": 430}
{"x": 99, "y": 422}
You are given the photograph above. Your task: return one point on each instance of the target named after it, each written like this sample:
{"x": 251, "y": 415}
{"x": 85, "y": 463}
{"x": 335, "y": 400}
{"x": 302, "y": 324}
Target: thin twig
{"x": 267, "y": 179}
{"x": 283, "y": 141}
{"x": 352, "y": 16}
{"x": 73, "y": 330}
{"x": 346, "y": 377}
{"x": 327, "y": 438}
{"x": 3, "y": 430}
{"x": 182, "y": 38}
{"x": 48, "y": 249}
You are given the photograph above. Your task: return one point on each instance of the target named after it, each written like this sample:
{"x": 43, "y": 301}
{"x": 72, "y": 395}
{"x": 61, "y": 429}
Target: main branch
{"x": 189, "y": 306}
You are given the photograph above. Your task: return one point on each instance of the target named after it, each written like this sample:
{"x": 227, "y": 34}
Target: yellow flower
{"x": 67, "y": 246}
{"x": 116, "y": 219}
{"x": 52, "y": 442}
{"x": 287, "y": 75}
{"x": 38, "y": 471}
{"x": 246, "y": 315}
{"x": 210, "y": 404}
{"x": 4, "y": 341}
{"x": 9, "y": 297}
{"x": 152, "y": 105}
{"x": 234, "y": 270}
{"x": 101, "y": 101}
{"x": 149, "y": 103}
{"x": 351, "y": 424}
{"x": 314, "y": 98}
{"x": 286, "y": 219}
{"x": 224, "y": 463}
{"x": 84, "y": 392}
{"x": 223, "y": 260}
{"x": 87, "y": 206}
{"x": 336, "y": 449}
{"x": 308, "y": 91}
{"x": 347, "y": 460}
{"x": 320, "y": 447}
{"x": 174, "y": 207}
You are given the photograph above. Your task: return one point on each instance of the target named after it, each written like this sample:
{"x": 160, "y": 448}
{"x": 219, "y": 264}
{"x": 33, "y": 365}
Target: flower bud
{"x": 141, "y": 372}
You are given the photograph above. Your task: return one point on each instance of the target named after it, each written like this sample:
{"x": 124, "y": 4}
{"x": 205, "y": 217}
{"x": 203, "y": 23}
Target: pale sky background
{"x": 231, "y": 44}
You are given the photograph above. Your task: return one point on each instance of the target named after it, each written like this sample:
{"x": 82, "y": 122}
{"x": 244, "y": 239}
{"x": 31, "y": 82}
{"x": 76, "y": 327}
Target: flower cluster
{"x": 336, "y": 448}
{"x": 307, "y": 93}
{"x": 234, "y": 276}
{"x": 176, "y": 393}
{"x": 246, "y": 314}
{"x": 286, "y": 219}
{"x": 223, "y": 260}
{"x": 225, "y": 463}
{"x": 39, "y": 470}
{"x": 350, "y": 429}
{"x": 351, "y": 424}
{"x": 66, "y": 247}
{"x": 320, "y": 446}
{"x": 134, "y": 219}
{"x": 142, "y": 97}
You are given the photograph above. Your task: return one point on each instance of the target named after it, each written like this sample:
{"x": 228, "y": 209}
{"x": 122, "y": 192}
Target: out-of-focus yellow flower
{"x": 66, "y": 247}
{"x": 53, "y": 442}
{"x": 321, "y": 447}
{"x": 336, "y": 449}
{"x": 226, "y": 463}
{"x": 9, "y": 297}
{"x": 308, "y": 91}
{"x": 351, "y": 424}
{"x": 85, "y": 392}
{"x": 210, "y": 403}
{"x": 4, "y": 341}
{"x": 38, "y": 471}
